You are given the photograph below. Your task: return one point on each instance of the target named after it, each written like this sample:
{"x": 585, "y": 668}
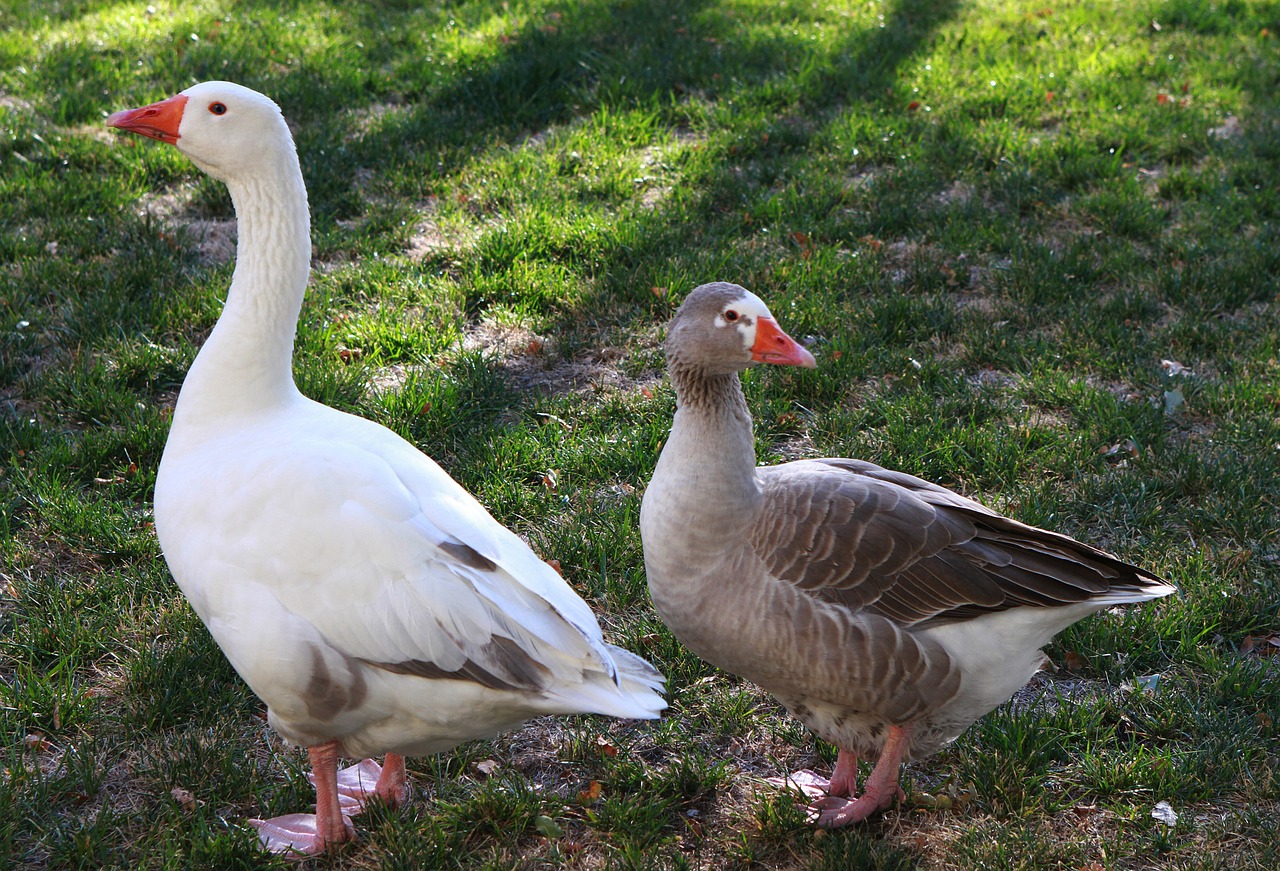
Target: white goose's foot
{"x": 356, "y": 783}
{"x": 809, "y": 784}
{"x": 301, "y": 834}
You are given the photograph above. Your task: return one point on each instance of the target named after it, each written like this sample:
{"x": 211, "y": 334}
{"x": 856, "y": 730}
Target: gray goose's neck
{"x": 246, "y": 365}
{"x": 711, "y": 451}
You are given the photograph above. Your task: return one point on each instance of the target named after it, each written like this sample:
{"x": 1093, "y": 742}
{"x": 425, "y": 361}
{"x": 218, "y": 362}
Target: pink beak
{"x": 774, "y": 346}
{"x": 157, "y": 121}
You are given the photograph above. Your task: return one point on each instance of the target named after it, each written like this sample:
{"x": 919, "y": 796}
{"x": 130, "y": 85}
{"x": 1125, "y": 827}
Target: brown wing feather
{"x": 888, "y": 543}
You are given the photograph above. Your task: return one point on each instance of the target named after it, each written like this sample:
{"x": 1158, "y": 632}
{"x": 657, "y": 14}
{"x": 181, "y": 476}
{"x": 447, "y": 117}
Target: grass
{"x": 994, "y": 220}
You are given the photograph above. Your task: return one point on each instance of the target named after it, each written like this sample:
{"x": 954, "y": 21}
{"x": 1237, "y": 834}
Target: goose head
{"x": 722, "y": 328}
{"x": 226, "y": 129}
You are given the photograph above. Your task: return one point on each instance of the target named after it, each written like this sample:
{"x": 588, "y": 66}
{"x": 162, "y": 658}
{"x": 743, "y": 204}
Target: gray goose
{"x": 884, "y": 612}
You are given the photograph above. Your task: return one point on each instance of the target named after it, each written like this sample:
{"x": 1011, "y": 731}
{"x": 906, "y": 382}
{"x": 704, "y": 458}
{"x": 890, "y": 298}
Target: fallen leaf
{"x": 185, "y": 799}
{"x": 548, "y": 827}
{"x": 1173, "y": 367}
{"x": 35, "y": 741}
{"x": 1048, "y": 96}
{"x": 913, "y": 105}
{"x": 1085, "y": 810}
{"x": 1165, "y": 814}
{"x": 552, "y": 418}
{"x": 1120, "y": 452}
{"x": 605, "y": 748}
{"x": 555, "y": 564}
{"x": 871, "y": 242}
{"x": 646, "y": 393}
{"x": 1074, "y": 661}
{"x": 1162, "y": 99}
{"x": 590, "y": 794}
{"x": 534, "y": 346}
{"x": 1261, "y": 645}
{"x": 659, "y": 292}
{"x": 550, "y": 479}
{"x": 487, "y": 767}
{"x": 1148, "y": 684}
{"x": 347, "y": 355}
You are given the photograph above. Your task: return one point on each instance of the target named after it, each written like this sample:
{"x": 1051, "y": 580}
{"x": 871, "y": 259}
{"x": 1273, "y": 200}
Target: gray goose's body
{"x": 871, "y": 603}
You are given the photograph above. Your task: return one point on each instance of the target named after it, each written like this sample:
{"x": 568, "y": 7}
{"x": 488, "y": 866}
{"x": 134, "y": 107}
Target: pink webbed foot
{"x": 834, "y": 811}
{"x": 832, "y": 801}
{"x": 308, "y": 834}
{"x": 811, "y": 785}
{"x": 299, "y": 833}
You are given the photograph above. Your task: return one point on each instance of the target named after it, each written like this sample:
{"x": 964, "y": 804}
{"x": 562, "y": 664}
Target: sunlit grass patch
{"x": 1033, "y": 247}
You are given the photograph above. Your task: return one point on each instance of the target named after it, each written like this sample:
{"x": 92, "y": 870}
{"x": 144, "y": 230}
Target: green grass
{"x": 994, "y": 220}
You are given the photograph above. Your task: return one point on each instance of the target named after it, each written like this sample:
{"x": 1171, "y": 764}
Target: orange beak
{"x": 774, "y": 346}
{"x": 157, "y": 121}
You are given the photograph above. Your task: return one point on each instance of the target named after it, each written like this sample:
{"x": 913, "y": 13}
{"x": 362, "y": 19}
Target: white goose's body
{"x": 352, "y": 569}
{"x": 885, "y": 612}
{"x": 369, "y": 600}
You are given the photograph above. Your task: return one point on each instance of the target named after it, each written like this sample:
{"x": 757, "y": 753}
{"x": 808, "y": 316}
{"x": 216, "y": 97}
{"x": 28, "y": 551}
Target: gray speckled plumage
{"x": 860, "y": 597}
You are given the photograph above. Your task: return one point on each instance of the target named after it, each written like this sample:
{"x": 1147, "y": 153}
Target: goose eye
{"x": 730, "y": 315}
{"x": 218, "y": 108}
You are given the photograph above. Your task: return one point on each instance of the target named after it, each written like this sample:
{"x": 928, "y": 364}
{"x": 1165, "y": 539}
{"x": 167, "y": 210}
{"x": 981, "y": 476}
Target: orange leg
{"x": 393, "y": 783}
{"x": 311, "y": 833}
{"x": 331, "y": 825}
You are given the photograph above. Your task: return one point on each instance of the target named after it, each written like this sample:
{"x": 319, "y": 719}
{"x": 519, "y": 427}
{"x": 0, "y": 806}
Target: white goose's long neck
{"x": 246, "y": 365}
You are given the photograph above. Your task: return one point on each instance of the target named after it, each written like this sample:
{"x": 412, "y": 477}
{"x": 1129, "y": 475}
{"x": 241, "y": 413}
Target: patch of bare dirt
{"x": 215, "y": 240}
{"x": 993, "y": 379}
{"x": 797, "y": 447}
{"x": 430, "y": 236}
{"x": 1046, "y": 692}
{"x": 652, "y": 161}
{"x": 531, "y": 362}
{"x": 365, "y": 119}
{"x": 957, "y": 193}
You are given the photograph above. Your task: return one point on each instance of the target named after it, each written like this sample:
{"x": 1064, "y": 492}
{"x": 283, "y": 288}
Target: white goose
{"x": 369, "y": 600}
{"x": 884, "y": 612}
